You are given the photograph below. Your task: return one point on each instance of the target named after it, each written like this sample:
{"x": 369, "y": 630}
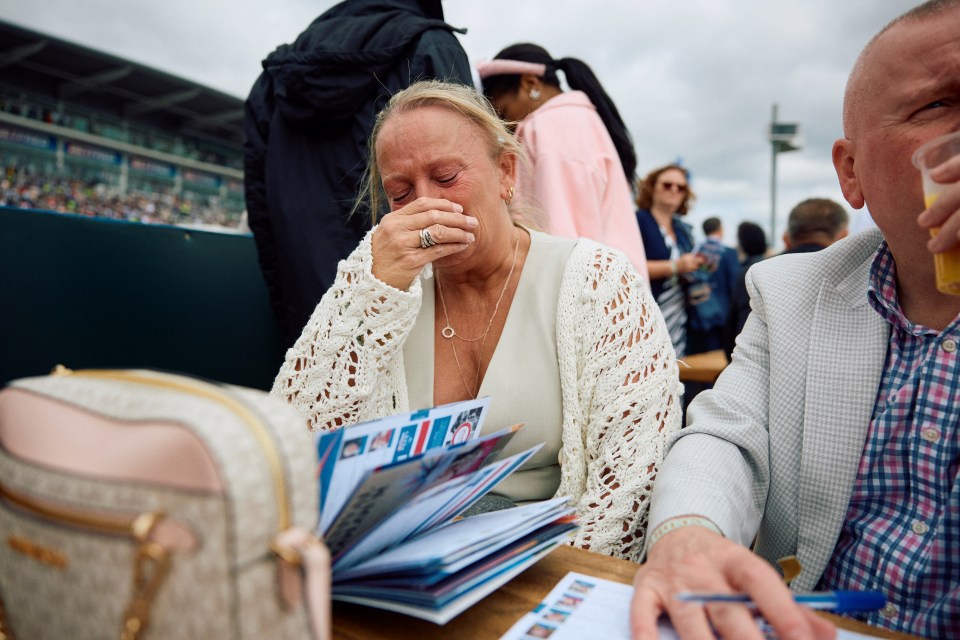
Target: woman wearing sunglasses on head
{"x": 665, "y": 196}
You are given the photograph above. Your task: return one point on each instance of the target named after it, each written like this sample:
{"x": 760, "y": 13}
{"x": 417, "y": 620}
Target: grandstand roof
{"x": 64, "y": 71}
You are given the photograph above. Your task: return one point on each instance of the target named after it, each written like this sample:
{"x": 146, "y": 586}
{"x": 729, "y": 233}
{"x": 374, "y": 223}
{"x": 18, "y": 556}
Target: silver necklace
{"x": 448, "y": 331}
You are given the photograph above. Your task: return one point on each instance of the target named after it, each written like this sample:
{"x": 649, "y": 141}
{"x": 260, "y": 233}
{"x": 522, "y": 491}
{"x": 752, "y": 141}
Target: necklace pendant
{"x": 448, "y": 332}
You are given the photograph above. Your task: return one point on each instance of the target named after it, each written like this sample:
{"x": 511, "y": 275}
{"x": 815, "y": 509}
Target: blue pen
{"x": 838, "y": 601}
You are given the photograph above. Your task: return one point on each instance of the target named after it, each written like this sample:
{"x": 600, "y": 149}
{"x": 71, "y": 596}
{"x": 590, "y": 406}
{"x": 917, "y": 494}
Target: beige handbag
{"x": 136, "y": 504}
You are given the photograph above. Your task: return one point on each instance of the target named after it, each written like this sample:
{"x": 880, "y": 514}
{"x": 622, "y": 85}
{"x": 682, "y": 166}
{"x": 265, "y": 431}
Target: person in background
{"x": 307, "y": 120}
{"x": 815, "y": 224}
{"x": 833, "y": 434}
{"x": 753, "y": 245}
{"x": 581, "y": 160}
{"x": 448, "y": 298}
{"x": 721, "y": 267}
{"x": 665, "y": 196}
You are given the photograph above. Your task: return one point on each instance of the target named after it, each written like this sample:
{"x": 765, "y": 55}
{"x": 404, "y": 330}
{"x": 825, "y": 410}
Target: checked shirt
{"x": 901, "y": 534}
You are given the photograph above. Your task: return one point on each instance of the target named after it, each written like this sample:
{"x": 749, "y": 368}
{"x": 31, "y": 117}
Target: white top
{"x": 527, "y": 351}
{"x": 619, "y": 383}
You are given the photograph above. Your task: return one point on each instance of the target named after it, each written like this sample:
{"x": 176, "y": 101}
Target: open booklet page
{"x": 346, "y": 455}
{"x": 384, "y": 491}
{"x": 408, "y": 502}
{"x": 441, "y": 595}
{"x": 391, "y": 493}
{"x": 581, "y": 606}
{"x": 452, "y": 547}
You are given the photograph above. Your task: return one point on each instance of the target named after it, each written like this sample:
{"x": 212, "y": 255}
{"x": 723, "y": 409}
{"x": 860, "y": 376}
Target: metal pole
{"x": 773, "y": 181}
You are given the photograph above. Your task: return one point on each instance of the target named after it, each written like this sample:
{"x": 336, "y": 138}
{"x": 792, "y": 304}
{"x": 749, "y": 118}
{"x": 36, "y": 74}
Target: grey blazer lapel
{"x": 843, "y": 374}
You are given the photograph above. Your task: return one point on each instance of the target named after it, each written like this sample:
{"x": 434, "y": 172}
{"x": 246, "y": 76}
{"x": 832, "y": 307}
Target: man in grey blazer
{"x": 833, "y": 434}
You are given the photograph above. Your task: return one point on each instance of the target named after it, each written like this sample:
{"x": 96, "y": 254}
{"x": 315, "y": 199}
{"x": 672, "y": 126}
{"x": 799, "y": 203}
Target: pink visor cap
{"x": 489, "y": 68}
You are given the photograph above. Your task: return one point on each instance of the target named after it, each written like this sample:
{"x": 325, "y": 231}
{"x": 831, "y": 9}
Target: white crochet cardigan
{"x": 618, "y": 378}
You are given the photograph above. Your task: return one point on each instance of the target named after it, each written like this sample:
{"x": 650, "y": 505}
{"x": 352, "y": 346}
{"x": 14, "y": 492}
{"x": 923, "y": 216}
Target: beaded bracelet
{"x": 673, "y": 524}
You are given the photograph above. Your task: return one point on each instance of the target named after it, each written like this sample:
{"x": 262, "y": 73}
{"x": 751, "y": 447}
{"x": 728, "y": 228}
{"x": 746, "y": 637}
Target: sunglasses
{"x": 673, "y": 186}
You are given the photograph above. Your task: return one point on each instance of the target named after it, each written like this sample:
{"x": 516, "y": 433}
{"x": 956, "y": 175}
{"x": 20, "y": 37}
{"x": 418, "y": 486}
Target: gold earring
{"x": 510, "y": 194}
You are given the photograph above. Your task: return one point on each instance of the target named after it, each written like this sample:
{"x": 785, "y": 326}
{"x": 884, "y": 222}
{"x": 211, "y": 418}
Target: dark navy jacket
{"x": 307, "y": 120}
{"x": 656, "y": 247}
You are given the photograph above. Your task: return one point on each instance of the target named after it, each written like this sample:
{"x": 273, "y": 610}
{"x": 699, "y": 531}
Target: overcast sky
{"x": 694, "y": 79}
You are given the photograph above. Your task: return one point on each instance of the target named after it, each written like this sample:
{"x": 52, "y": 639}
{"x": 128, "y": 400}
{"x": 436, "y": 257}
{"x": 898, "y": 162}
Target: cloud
{"x": 694, "y": 79}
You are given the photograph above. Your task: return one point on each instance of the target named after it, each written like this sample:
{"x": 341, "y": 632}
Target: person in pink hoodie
{"x": 580, "y": 156}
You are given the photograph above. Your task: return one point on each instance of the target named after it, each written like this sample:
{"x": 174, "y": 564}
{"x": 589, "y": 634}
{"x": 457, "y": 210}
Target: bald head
{"x": 861, "y": 83}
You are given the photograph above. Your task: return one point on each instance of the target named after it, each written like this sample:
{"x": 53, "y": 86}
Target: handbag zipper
{"x": 151, "y": 563}
{"x": 260, "y": 433}
{"x": 95, "y": 522}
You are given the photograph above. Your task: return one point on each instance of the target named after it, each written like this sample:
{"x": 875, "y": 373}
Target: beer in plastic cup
{"x": 927, "y": 157}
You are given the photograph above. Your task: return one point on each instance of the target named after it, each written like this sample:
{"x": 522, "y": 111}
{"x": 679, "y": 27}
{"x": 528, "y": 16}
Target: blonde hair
{"x": 457, "y": 98}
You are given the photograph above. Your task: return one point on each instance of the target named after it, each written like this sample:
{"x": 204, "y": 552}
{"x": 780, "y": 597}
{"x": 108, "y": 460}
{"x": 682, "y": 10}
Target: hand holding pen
{"x": 695, "y": 559}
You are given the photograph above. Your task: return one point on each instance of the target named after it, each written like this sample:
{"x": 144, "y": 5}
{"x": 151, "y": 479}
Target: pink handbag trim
{"x": 314, "y": 563}
{"x": 33, "y": 428}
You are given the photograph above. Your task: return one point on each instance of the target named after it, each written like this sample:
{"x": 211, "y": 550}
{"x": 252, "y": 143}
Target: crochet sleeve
{"x": 347, "y": 366}
{"x": 628, "y": 403}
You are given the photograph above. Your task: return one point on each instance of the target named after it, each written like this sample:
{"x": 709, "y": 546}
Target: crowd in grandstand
{"x": 19, "y": 188}
{"x": 28, "y": 185}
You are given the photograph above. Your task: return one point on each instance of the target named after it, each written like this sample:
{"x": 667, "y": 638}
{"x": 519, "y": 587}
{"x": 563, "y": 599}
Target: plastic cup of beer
{"x": 928, "y": 157}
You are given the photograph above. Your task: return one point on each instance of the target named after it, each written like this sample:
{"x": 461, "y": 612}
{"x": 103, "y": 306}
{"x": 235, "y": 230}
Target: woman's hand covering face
{"x": 398, "y": 256}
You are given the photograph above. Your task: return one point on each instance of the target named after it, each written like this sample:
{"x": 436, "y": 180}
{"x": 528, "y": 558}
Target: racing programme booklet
{"x": 391, "y": 491}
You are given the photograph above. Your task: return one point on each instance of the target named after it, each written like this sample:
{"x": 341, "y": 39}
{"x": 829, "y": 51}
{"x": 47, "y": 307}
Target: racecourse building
{"x": 83, "y": 131}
